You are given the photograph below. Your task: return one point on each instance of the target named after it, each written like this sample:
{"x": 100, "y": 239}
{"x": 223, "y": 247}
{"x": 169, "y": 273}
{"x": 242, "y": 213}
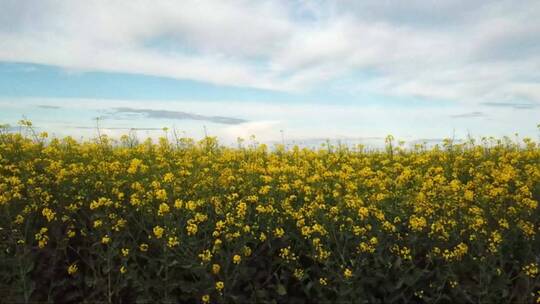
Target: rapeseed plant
{"x": 183, "y": 219}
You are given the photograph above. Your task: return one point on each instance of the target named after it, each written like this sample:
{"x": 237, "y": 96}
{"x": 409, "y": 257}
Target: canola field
{"x": 180, "y": 221}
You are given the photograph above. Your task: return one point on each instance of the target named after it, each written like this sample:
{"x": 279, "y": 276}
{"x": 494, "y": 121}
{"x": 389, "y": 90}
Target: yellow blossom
{"x": 163, "y": 209}
{"x": 72, "y": 269}
{"x": 42, "y": 237}
{"x": 19, "y": 219}
{"x": 178, "y": 204}
{"x": 105, "y": 240}
{"x": 417, "y": 223}
{"x": 168, "y": 177}
{"x": 71, "y": 233}
{"x": 279, "y": 232}
{"x": 298, "y": 273}
{"x": 158, "y": 232}
{"x": 161, "y": 195}
{"x": 192, "y": 228}
{"x": 531, "y": 269}
{"x": 143, "y": 247}
{"x": 206, "y": 255}
{"x": 216, "y": 268}
{"x": 173, "y": 242}
{"x": 48, "y": 214}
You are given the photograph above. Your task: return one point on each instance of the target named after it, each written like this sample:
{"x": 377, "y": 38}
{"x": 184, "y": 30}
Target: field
{"x": 195, "y": 222}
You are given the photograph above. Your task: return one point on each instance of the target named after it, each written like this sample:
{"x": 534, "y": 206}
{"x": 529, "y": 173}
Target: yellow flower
{"x": 48, "y": 214}
{"x": 531, "y": 270}
{"x": 468, "y": 195}
{"x": 217, "y": 243}
{"x": 158, "y": 232}
{"x": 298, "y": 273}
{"x": 247, "y": 251}
{"x": 19, "y": 219}
{"x": 347, "y": 273}
{"x": 161, "y": 195}
{"x": 168, "y": 177}
{"x": 237, "y": 259}
{"x": 504, "y": 223}
{"x": 287, "y": 254}
{"x": 365, "y": 247}
{"x": 456, "y": 253}
{"x": 123, "y": 269}
{"x": 417, "y": 223}
{"x": 279, "y": 232}
{"x": 105, "y": 240}
{"x": 216, "y": 268}
{"x": 206, "y": 298}
{"x": 42, "y": 237}
{"x": 163, "y": 209}
{"x": 323, "y": 281}
{"x": 205, "y": 256}
{"x": 191, "y": 205}
{"x": 192, "y": 228}
{"x": 363, "y": 212}
{"x": 119, "y": 224}
{"x": 72, "y": 269}
{"x": 125, "y": 252}
{"x": 527, "y": 228}
{"x": 178, "y": 204}
{"x": 143, "y": 247}
{"x": 134, "y": 166}
{"x": 172, "y": 242}
{"x": 71, "y": 233}
{"x": 219, "y": 286}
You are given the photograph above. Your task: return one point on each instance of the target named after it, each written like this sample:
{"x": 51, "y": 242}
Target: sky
{"x": 282, "y": 70}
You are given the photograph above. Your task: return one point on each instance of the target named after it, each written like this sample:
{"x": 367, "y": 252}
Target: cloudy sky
{"x": 299, "y": 70}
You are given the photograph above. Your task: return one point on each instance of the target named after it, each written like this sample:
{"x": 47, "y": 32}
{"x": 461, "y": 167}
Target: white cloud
{"x": 263, "y": 130}
{"x": 300, "y": 122}
{"x": 463, "y": 51}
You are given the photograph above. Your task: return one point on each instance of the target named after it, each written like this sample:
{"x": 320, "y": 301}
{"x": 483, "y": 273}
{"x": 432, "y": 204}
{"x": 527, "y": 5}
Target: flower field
{"x": 181, "y": 221}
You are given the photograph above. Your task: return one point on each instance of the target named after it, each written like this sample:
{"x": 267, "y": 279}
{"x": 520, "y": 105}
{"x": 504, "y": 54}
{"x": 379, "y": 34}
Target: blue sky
{"x": 348, "y": 70}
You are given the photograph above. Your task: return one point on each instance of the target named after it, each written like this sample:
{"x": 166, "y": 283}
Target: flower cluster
{"x": 198, "y": 222}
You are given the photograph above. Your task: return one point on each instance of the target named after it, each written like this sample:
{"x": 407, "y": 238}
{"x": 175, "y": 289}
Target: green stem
{"x": 109, "y": 293}
{"x": 23, "y": 279}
